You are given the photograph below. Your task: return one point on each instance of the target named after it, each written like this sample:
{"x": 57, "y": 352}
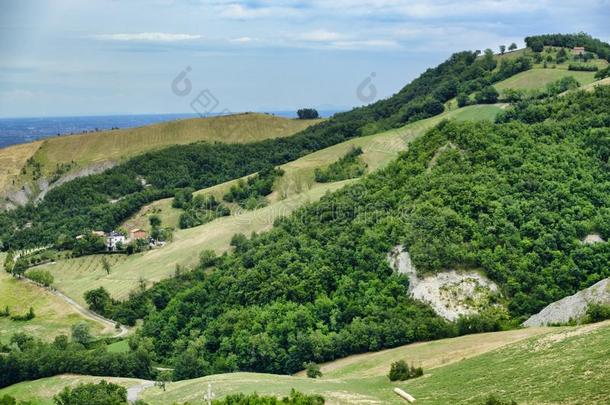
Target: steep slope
{"x": 513, "y": 200}
{"x": 296, "y": 188}
{"x": 55, "y": 160}
{"x": 103, "y": 201}
{"x": 572, "y": 308}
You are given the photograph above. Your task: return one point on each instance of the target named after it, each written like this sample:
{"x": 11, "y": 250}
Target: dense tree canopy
{"x": 105, "y": 200}
{"x": 513, "y": 199}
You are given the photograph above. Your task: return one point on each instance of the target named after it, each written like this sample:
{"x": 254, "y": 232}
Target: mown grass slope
{"x": 98, "y": 150}
{"x": 539, "y": 78}
{"x": 53, "y": 315}
{"x": 41, "y": 392}
{"x": 566, "y": 365}
{"x": 297, "y": 187}
{"x": 12, "y": 159}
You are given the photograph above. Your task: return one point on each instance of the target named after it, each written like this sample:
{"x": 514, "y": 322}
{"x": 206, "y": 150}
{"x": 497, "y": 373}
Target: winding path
{"x": 87, "y": 313}
{"x": 133, "y": 392}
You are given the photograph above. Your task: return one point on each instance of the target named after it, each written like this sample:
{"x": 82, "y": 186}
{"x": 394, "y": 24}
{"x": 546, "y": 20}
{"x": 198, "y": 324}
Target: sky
{"x": 99, "y": 57}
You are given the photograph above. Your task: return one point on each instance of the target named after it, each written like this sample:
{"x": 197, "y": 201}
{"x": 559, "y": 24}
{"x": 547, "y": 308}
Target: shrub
{"x": 348, "y": 167}
{"x": 580, "y": 67}
{"x": 400, "y": 371}
{"x": 27, "y": 317}
{"x": 313, "y": 370}
{"x": 488, "y": 95}
{"x": 602, "y": 74}
{"x": 492, "y": 400}
{"x": 103, "y": 393}
{"x": 597, "y": 313}
{"x": 40, "y": 276}
{"x": 295, "y": 398}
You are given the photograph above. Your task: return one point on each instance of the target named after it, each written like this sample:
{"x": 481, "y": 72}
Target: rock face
{"x": 593, "y": 239}
{"x": 450, "y": 293}
{"x": 573, "y": 307}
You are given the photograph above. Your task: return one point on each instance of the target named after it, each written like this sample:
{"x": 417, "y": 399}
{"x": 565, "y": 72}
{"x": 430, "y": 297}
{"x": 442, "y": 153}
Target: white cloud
{"x": 147, "y": 37}
{"x": 321, "y": 36}
{"x": 242, "y": 40}
{"x": 243, "y": 12}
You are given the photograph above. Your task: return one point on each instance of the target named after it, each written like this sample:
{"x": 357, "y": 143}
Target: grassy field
{"x": 567, "y": 365}
{"x": 101, "y": 148}
{"x": 536, "y": 79}
{"x": 53, "y": 315}
{"x": 297, "y": 187}
{"x": 12, "y": 159}
{"x": 41, "y": 392}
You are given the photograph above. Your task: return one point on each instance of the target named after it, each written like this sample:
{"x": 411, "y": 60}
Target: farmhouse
{"x": 138, "y": 234}
{"x": 114, "y": 239}
{"x": 578, "y": 50}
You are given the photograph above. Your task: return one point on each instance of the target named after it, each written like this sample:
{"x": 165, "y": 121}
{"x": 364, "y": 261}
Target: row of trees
{"x": 26, "y": 358}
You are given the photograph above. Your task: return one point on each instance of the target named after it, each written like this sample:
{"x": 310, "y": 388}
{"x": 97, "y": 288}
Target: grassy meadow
{"x": 53, "y": 315}
{"x": 102, "y": 148}
{"x": 566, "y": 365}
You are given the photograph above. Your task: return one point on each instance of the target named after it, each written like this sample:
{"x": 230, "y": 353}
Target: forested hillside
{"x": 103, "y": 201}
{"x": 513, "y": 199}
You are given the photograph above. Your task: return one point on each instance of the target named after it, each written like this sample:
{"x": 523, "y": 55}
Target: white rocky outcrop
{"x": 450, "y": 293}
{"x": 572, "y": 308}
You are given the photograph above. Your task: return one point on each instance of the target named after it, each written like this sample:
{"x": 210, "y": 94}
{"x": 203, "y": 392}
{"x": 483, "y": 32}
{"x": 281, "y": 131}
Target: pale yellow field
{"x": 12, "y": 159}
{"x": 120, "y": 144}
{"x": 102, "y": 149}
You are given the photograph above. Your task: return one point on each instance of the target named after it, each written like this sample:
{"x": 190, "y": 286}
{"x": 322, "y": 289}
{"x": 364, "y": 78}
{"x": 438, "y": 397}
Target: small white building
{"x": 113, "y": 239}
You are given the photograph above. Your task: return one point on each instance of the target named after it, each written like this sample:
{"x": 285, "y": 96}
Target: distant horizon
{"x": 193, "y": 114}
{"x": 22, "y": 130}
{"x": 102, "y": 57}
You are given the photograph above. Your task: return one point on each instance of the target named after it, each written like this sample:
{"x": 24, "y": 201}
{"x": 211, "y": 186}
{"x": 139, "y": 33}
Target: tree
{"x": 9, "y": 262}
{"x": 154, "y": 221}
{"x": 307, "y": 113}
{"x": 163, "y": 378}
{"x": 98, "y": 300}
{"x": 105, "y": 265}
{"x": 81, "y": 333}
{"x": 40, "y": 276}
{"x": 512, "y": 47}
{"x": 537, "y": 45}
{"x": 487, "y": 95}
{"x": 502, "y": 49}
{"x": 104, "y": 393}
{"x": 20, "y": 268}
{"x": 313, "y": 370}
{"x": 463, "y": 100}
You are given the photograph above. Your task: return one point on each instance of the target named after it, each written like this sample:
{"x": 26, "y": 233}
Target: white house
{"x": 113, "y": 239}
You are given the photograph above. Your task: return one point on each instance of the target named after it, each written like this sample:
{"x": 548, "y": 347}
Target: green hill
{"x": 532, "y": 366}
{"x": 297, "y": 187}
{"x": 61, "y": 158}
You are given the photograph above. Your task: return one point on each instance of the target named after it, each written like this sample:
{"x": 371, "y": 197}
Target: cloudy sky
{"x": 75, "y": 57}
